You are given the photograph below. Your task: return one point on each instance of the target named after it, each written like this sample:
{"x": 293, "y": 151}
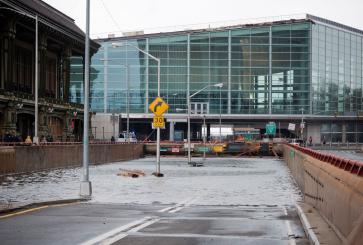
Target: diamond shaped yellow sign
{"x": 158, "y": 106}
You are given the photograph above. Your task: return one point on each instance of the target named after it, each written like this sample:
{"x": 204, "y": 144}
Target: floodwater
{"x": 221, "y": 181}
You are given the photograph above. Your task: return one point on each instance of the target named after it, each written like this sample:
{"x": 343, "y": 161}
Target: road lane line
{"x": 142, "y": 226}
{"x": 115, "y": 231}
{"x": 187, "y": 204}
{"x": 118, "y": 234}
{"x": 118, "y": 237}
{"x": 176, "y": 210}
{"x": 23, "y": 212}
{"x": 166, "y": 209}
{"x": 176, "y": 205}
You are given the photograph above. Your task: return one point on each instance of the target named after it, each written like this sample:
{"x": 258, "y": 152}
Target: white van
{"x": 123, "y": 137}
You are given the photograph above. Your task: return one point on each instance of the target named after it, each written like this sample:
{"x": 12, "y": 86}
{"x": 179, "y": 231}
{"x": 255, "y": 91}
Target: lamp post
{"x": 86, "y": 189}
{"x": 220, "y": 85}
{"x": 35, "y": 17}
{"x": 302, "y": 125}
{"x": 204, "y": 136}
{"x": 220, "y": 113}
{"x": 158, "y": 129}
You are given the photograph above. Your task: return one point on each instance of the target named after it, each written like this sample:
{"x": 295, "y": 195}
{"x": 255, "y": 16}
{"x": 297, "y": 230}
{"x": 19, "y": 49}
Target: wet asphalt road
{"x": 228, "y": 201}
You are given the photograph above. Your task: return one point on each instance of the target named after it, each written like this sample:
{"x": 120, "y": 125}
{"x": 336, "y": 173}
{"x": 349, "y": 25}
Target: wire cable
{"x": 109, "y": 13}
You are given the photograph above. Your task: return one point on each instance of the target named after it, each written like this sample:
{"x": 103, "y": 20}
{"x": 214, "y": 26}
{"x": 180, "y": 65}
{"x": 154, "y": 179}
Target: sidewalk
{"x": 316, "y": 228}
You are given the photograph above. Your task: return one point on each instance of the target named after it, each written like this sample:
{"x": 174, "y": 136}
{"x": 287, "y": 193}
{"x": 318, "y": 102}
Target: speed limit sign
{"x": 158, "y": 122}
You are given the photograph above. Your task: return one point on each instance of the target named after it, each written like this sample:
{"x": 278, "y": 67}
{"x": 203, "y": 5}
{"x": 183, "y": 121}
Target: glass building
{"x": 285, "y": 71}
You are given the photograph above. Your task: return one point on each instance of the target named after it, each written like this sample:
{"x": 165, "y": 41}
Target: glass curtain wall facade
{"x": 336, "y": 71}
{"x": 290, "y": 67}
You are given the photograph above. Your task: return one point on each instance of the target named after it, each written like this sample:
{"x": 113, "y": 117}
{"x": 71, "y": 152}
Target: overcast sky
{"x": 110, "y": 16}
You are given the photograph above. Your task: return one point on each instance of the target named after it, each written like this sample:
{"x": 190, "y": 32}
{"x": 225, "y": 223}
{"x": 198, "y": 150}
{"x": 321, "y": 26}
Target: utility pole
{"x": 204, "y": 132}
{"x": 86, "y": 189}
{"x": 302, "y": 123}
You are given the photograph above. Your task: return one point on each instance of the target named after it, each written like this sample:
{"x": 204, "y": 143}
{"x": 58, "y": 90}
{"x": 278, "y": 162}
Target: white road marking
{"x": 125, "y": 234}
{"x": 142, "y": 226}
{"x": 115, "y": 231}
{"x": 175, "y": 206}
{"x": 123, "y": 231}
{"x": 187, "y": 204}
{"x": 179, "y": 206}
{"x": 289, "y": 230}
{"x": 307, "y": 225}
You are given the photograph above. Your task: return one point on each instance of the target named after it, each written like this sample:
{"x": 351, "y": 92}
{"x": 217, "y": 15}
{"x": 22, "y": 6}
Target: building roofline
{"x": 298, "y": 19}
{"x": 225, "y": 28}
{"x": 51, "y": 17}
{"x": 333, "y": 23}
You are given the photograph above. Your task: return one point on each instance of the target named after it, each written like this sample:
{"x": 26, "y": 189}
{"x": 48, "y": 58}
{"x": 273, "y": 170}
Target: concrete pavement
{"x": 181, "y": 223}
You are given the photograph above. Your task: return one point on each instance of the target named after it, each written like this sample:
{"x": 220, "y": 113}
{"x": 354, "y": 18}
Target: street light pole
{"x": 204, "y": 136}
{"x": 86, "y": 189}
{"x": 36, "y": 138}
{"x": 189, "y": 148}
{"x": 158, "y": 129}
{"x": 302, "y": 123}
{"x": 220, "y": 85}
{"x": 220, "y": 114}
{"x": 128, "y": 104}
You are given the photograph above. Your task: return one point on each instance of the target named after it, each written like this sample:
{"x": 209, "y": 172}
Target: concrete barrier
{"x": 19, "y": 159}
{"x": 333, "y": 186}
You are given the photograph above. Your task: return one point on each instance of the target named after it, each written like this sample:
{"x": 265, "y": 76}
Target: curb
{"x": 307, "y": 226}
{"x": 41, "y": 204}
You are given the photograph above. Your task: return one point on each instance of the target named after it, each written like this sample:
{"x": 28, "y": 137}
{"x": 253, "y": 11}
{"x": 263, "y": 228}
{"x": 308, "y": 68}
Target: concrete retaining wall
{"x": 336, "y": 193}
{"x": 18, "y": 159}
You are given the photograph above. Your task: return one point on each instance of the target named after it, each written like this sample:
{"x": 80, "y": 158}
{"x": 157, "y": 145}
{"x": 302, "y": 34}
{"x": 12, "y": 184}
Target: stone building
{"x": 59, "y": 39}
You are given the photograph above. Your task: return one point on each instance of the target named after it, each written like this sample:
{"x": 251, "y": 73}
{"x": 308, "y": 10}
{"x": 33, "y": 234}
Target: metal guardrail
{"x": 349, "y": 165}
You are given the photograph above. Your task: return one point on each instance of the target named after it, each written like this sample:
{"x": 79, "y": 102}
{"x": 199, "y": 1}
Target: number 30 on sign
{"x": 158, "y": 122}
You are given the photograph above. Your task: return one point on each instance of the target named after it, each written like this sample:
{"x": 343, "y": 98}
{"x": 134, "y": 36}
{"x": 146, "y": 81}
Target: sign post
{"x": 158, "y": 107}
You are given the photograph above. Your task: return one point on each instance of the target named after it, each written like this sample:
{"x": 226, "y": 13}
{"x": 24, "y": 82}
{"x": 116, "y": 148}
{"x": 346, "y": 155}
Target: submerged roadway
{"x": 228, "y": 201}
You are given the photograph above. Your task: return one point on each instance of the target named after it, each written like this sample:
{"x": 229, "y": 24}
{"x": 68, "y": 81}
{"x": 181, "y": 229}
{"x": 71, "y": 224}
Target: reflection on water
{"x": 222, "y": 181}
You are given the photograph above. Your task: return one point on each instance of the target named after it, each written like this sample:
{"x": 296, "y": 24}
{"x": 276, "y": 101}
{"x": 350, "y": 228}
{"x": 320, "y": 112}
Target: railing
{"x": 66, "y": 143}
{"x": 349, "y": 165}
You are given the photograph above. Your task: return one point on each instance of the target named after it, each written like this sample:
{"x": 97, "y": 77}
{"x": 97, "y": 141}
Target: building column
{"x": 313, "y": 131}
{"x": 229, "y": 71}
{"x": 42, "y": 64}
{"x": 65, "y": 73}
{"x": 171, "y": 130}
{"x": 9, "y": 123}
{"x": 344, "y": 133}
{"x": 43, "y": 119}
{"x": 66, "y": 125}
{"x": 270, "y": 73}
{"x": 8, "y": 33}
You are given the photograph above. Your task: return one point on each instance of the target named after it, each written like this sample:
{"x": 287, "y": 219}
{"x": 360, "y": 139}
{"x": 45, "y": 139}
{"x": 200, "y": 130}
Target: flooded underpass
{"x": 227, "y": 201}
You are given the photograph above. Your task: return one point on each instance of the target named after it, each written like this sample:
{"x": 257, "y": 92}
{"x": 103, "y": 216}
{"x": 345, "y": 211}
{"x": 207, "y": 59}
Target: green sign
{"x": 203, "y": 149}
{"x": 271, "y": 128}
{"x": 292, "y": 154}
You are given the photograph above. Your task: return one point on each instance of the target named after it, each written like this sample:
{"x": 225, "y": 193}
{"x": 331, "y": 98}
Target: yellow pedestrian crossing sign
{"x": 158, "y": 106}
